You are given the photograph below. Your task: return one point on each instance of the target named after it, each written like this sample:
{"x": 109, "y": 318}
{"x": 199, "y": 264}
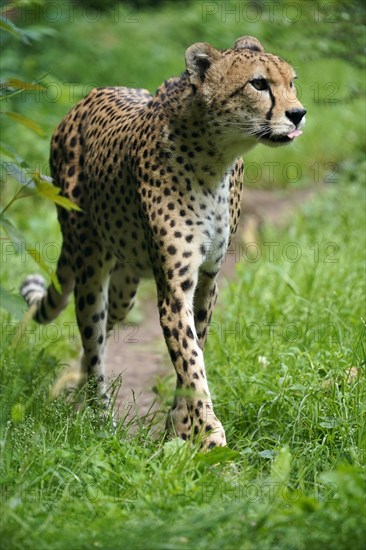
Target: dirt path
{"x": 138, "y": 352}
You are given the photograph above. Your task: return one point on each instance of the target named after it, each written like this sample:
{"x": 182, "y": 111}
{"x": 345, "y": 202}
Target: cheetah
{"x": 159, "y": 179}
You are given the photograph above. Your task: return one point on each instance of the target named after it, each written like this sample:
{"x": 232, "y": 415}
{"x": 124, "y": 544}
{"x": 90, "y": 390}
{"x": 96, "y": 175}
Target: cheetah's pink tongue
{"x": 294, "y": 133}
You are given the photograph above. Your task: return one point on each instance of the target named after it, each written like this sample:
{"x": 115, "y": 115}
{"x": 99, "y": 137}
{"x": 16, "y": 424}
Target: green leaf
{"x": 346, "y": 480}
{"x": 281, "y": 467}
{"x": 12, "y": 303}
{"x": 8, "y": 26}
{"x": 28, "y": 122}
{"x": 39, "y": 32}
{"x": 18, "y": 412}
{"x": 14, "y": 170}
{"x": 13, "y": 233}
{"x": 8, "y": 152}
{"x": 267, "y": 453}
{"x": 172, "y": 447}
{"x": 218, "y": 455}
{"x": 21, "y": 85}
{"x": 52, "y": 192}
{"x": 14, "y": 86}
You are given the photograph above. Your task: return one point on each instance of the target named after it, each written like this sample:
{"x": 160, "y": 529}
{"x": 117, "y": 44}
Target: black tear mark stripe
{"x": 273, "y": 103}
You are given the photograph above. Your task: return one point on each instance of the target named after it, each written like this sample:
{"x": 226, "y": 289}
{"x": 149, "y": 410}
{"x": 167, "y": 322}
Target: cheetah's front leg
{"x": 204, "y": 301}
{"x": 192, "y": 412}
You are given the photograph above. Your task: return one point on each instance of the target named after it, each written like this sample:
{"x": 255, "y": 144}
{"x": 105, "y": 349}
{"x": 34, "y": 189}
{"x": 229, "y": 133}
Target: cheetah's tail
{"x": 48, "y": 302}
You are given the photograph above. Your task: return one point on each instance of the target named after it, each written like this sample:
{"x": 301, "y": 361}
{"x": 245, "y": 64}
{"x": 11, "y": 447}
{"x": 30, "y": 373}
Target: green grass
{"x": 286, "y": 350}
{"x": 294, "y": 417}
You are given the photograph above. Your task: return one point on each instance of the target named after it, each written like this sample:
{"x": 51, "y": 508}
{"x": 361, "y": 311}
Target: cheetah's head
{"x": 248, "y": 93}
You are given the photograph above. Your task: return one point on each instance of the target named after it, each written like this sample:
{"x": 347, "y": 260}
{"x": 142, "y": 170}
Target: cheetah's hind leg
{"x": 102, "y": 301}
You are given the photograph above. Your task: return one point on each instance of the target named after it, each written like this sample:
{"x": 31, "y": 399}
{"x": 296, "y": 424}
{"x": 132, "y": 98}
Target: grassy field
{"x": 286, "y": 351}
{"x": 286, "y": 366}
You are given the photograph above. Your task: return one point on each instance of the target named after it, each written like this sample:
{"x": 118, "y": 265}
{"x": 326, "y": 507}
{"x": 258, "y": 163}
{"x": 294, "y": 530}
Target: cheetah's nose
{"x": 295, "y": 115}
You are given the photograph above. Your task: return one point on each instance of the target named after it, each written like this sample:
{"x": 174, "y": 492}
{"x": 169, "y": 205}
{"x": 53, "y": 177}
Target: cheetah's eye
{"x": 260, "y": 84}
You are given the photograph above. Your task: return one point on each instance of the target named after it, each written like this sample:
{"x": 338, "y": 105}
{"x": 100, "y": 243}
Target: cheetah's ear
{"x": 199, "y": 58}
{"x": 248, "y": 43}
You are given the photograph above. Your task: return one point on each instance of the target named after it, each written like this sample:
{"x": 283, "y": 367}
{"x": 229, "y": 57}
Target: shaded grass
{"x": 122, "y": 48}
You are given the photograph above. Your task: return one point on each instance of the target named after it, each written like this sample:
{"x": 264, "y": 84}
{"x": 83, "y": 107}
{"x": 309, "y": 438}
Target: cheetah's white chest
{"x": 216, "y": 227}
